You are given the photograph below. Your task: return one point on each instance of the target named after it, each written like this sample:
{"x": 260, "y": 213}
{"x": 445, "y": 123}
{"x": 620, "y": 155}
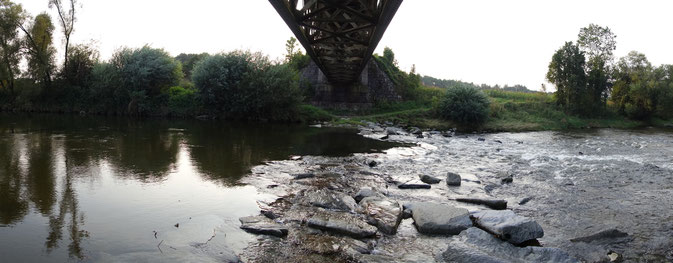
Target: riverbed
{"x": 109, "y": 190}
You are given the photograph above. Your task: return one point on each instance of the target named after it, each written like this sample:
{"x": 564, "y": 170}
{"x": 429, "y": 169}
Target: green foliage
{"x": 405, "y": 83}
{"x": 182, "y": 101}
{"x": 81, "y": 61}
{"x": 597, "y": 42}
{"x": 566, "y": 71}
{"x": 307, "y": 113}
{"x": 244, "y": 85}
{"x": 147, "y": 73}
{"x": 106, "y": 91}
{"x": 39, "y": 38}
{"x": 189, "y": 61}
{"x": 465, "y": 105}
{"x": 293, "y": 55}
{"x": 11, "y": 16}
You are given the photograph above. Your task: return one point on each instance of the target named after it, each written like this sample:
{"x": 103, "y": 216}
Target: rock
{"x": 498, "y": 141}
{"x": 386, "y": 214}
{"x": 490, "y": 187}
{"x": 372, "y": 163}
{"x": 303, "y": 176}
{"x": 328, "y": 245}
{"x": 605, "y": 234}
{"x": 525, "y": 200}
{"x": 262, "y": 225}
{"x": 429, "y": 179}
{"x": 331, "y": 200}
{"x": 481, "y": 139}
{"x": 507, "y": 180}
{"x": 497, "y": 204}
{"x": 202, "y": 117}
{"x": 414, "y": 185}
{"x": 384, "y": 137}
{"x": 406, "y": 213}
{"x": 342, "y": 223}
{"x": 476, "y": 245}
{"x": 394, "y": 131}
{"x": 415, "y": 131}
{"x": 420, "y": 136}
{"x": 433, "y": 218}
{"x": 364, "y": 193}
{"x": 508, "y": 226}
{"x": 452, "y": 179}
{"x": 269, "y": 214}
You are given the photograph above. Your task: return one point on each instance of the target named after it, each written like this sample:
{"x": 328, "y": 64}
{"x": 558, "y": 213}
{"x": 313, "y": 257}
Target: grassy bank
{"x": 509, "y": 111}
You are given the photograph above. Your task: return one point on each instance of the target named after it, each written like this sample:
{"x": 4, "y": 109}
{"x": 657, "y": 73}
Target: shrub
{"x": 182, "y": 101}
{"x": 244, "y": 85}
{"x": 465, "y": 105}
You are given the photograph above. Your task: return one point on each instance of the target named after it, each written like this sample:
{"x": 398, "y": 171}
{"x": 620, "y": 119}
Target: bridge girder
{"x": 339, "y": 35}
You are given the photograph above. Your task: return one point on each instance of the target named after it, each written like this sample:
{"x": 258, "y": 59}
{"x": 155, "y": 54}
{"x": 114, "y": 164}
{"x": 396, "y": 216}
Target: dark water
{"x": 98, "y": 189}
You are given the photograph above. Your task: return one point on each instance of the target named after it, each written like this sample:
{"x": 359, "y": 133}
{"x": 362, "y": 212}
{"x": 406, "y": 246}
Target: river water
{"x": 98, "y": 189}
{"x": 114, "y": 190}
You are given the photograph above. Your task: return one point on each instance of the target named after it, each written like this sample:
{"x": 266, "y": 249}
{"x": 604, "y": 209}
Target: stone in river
{"x": 476, "y": 245}
{"x": 262, "y": 225}
{"x": 497, "y": 204}
{"x": 414, "y": 185}
{"x": 331, "y": 200}
{"x": 452, "y": 179}
{"x": 342, "y": 223}
{"x": 430, "y": 179}
{"x": 364, "y": 193}
{"x": 434, "y": 218}
{"x": 303, "y": 176}
{"x": 385, "y": 213}
{"x": 605, "y": 234}
{"x": 508, "y": 226}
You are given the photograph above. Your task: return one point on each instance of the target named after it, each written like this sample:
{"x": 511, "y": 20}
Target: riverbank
{"x": 509, "y": 112}
{"x": 320, "y": 206}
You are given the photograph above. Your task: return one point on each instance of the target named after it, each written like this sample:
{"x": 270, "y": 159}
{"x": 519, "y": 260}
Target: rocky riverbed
{"x": 527, "y": 197}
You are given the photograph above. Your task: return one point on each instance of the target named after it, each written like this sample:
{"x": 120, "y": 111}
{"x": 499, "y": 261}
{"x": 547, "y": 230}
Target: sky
{"x": 480, "y": 41}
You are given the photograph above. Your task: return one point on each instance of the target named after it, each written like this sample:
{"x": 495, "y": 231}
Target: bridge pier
{"x": 373, "y": 85}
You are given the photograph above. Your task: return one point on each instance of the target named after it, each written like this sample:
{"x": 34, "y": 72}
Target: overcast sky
{"x": 480, "y": 41}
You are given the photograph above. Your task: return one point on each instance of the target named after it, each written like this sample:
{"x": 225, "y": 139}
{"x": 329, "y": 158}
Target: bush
{"x": 182, "y": 101}
{"x": 465, "y": 105}
{"x": 244, "y": 85}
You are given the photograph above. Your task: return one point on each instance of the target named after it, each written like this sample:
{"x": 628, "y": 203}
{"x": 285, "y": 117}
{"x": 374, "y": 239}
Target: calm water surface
{"x": 113, "y": 190}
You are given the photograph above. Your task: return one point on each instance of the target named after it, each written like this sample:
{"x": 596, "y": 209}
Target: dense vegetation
{"x": 592, "y": 87}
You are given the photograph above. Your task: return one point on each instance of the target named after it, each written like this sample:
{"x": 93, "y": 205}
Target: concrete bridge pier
{"x": 372, "y": 86}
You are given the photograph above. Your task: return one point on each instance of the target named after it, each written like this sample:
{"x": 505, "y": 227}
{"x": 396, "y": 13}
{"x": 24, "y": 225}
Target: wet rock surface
{"x": 629, "y": 191}
{"x": 453, "y": 179}
{"x": 342, "y": 223}
{"x": 386, "y": 214}
{"x": 331, "y": 200}
{"x": 262, "y": 225}
{"x": 497, "y": 204}
{"x": 429, "y": 179}
{"x": 476, "y": 245}
{"x": 439, "y": 219}
{"x": 508, "y": 226}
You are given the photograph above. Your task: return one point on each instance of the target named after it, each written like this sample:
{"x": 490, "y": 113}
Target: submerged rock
{"x": 508, "y": 226}
{"x": 303, "y": 176}
{"x": 414, "y": 185}
{"x": 433, "y": 218}
{"x": 342, "y": 223}
{"x": 331, "y": 200}
{"x": 262, "y": 225}
{"x": 429, "y": 179}
{"x": 476, "y": 245}
{"x": 525, "y": 200}
{"x": 452, "y": 179}
{"x": 364, "y": 193}
{"x": 497, "y": 204}
{"x": 385, "y": 213}
{"x": 605, "y": 234}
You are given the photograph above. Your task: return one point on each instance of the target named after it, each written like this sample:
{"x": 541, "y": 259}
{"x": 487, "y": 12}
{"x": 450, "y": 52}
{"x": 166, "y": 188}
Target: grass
{"x": 509, "y": 111}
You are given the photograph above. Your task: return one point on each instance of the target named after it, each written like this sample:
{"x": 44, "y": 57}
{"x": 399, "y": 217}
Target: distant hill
{"x": 446, "y": 83}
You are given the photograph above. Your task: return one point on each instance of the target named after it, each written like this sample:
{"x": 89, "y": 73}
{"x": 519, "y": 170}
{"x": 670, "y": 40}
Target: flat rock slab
{"x": 476, "y": 245}
{"x": 497, "y": 204}
{"x": 508, "y": 226}
{"x": 303, "y": 176}
{"x": 602, "y": 235}
{"x": 364, "y": 193}
{"x": 331, "y": 200}
{"x": 385, "y": 213}
{"x": 342, "y": 223}
{"x": 327, "y": 245}
{"x": 414, "y": 185}
{"x": 262, "y": 225}
{"x": 439, "y": 219}
{"x": 429, "y": 179}
{"x": 453, "y": 179}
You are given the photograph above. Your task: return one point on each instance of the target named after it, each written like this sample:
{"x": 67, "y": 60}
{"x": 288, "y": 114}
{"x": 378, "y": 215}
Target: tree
{"x": 67, "y": 19}
{"x": 189, "y": 61}
{"x": 11, "y": 16}
{"x": 82, "y": 59}
{"x": 635, "y": 92}
{"x": 566, "y": 71}
{"x": 294, "y": 57}
{"x": 389, "y": 56}
{"x": 40, "y": 49}
{"x": 597, "y": 42}
{"x": 290, "y": 47}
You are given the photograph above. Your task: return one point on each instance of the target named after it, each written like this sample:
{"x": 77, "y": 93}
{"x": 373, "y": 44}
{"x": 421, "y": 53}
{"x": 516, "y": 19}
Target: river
{"x": 108, "y": 190}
